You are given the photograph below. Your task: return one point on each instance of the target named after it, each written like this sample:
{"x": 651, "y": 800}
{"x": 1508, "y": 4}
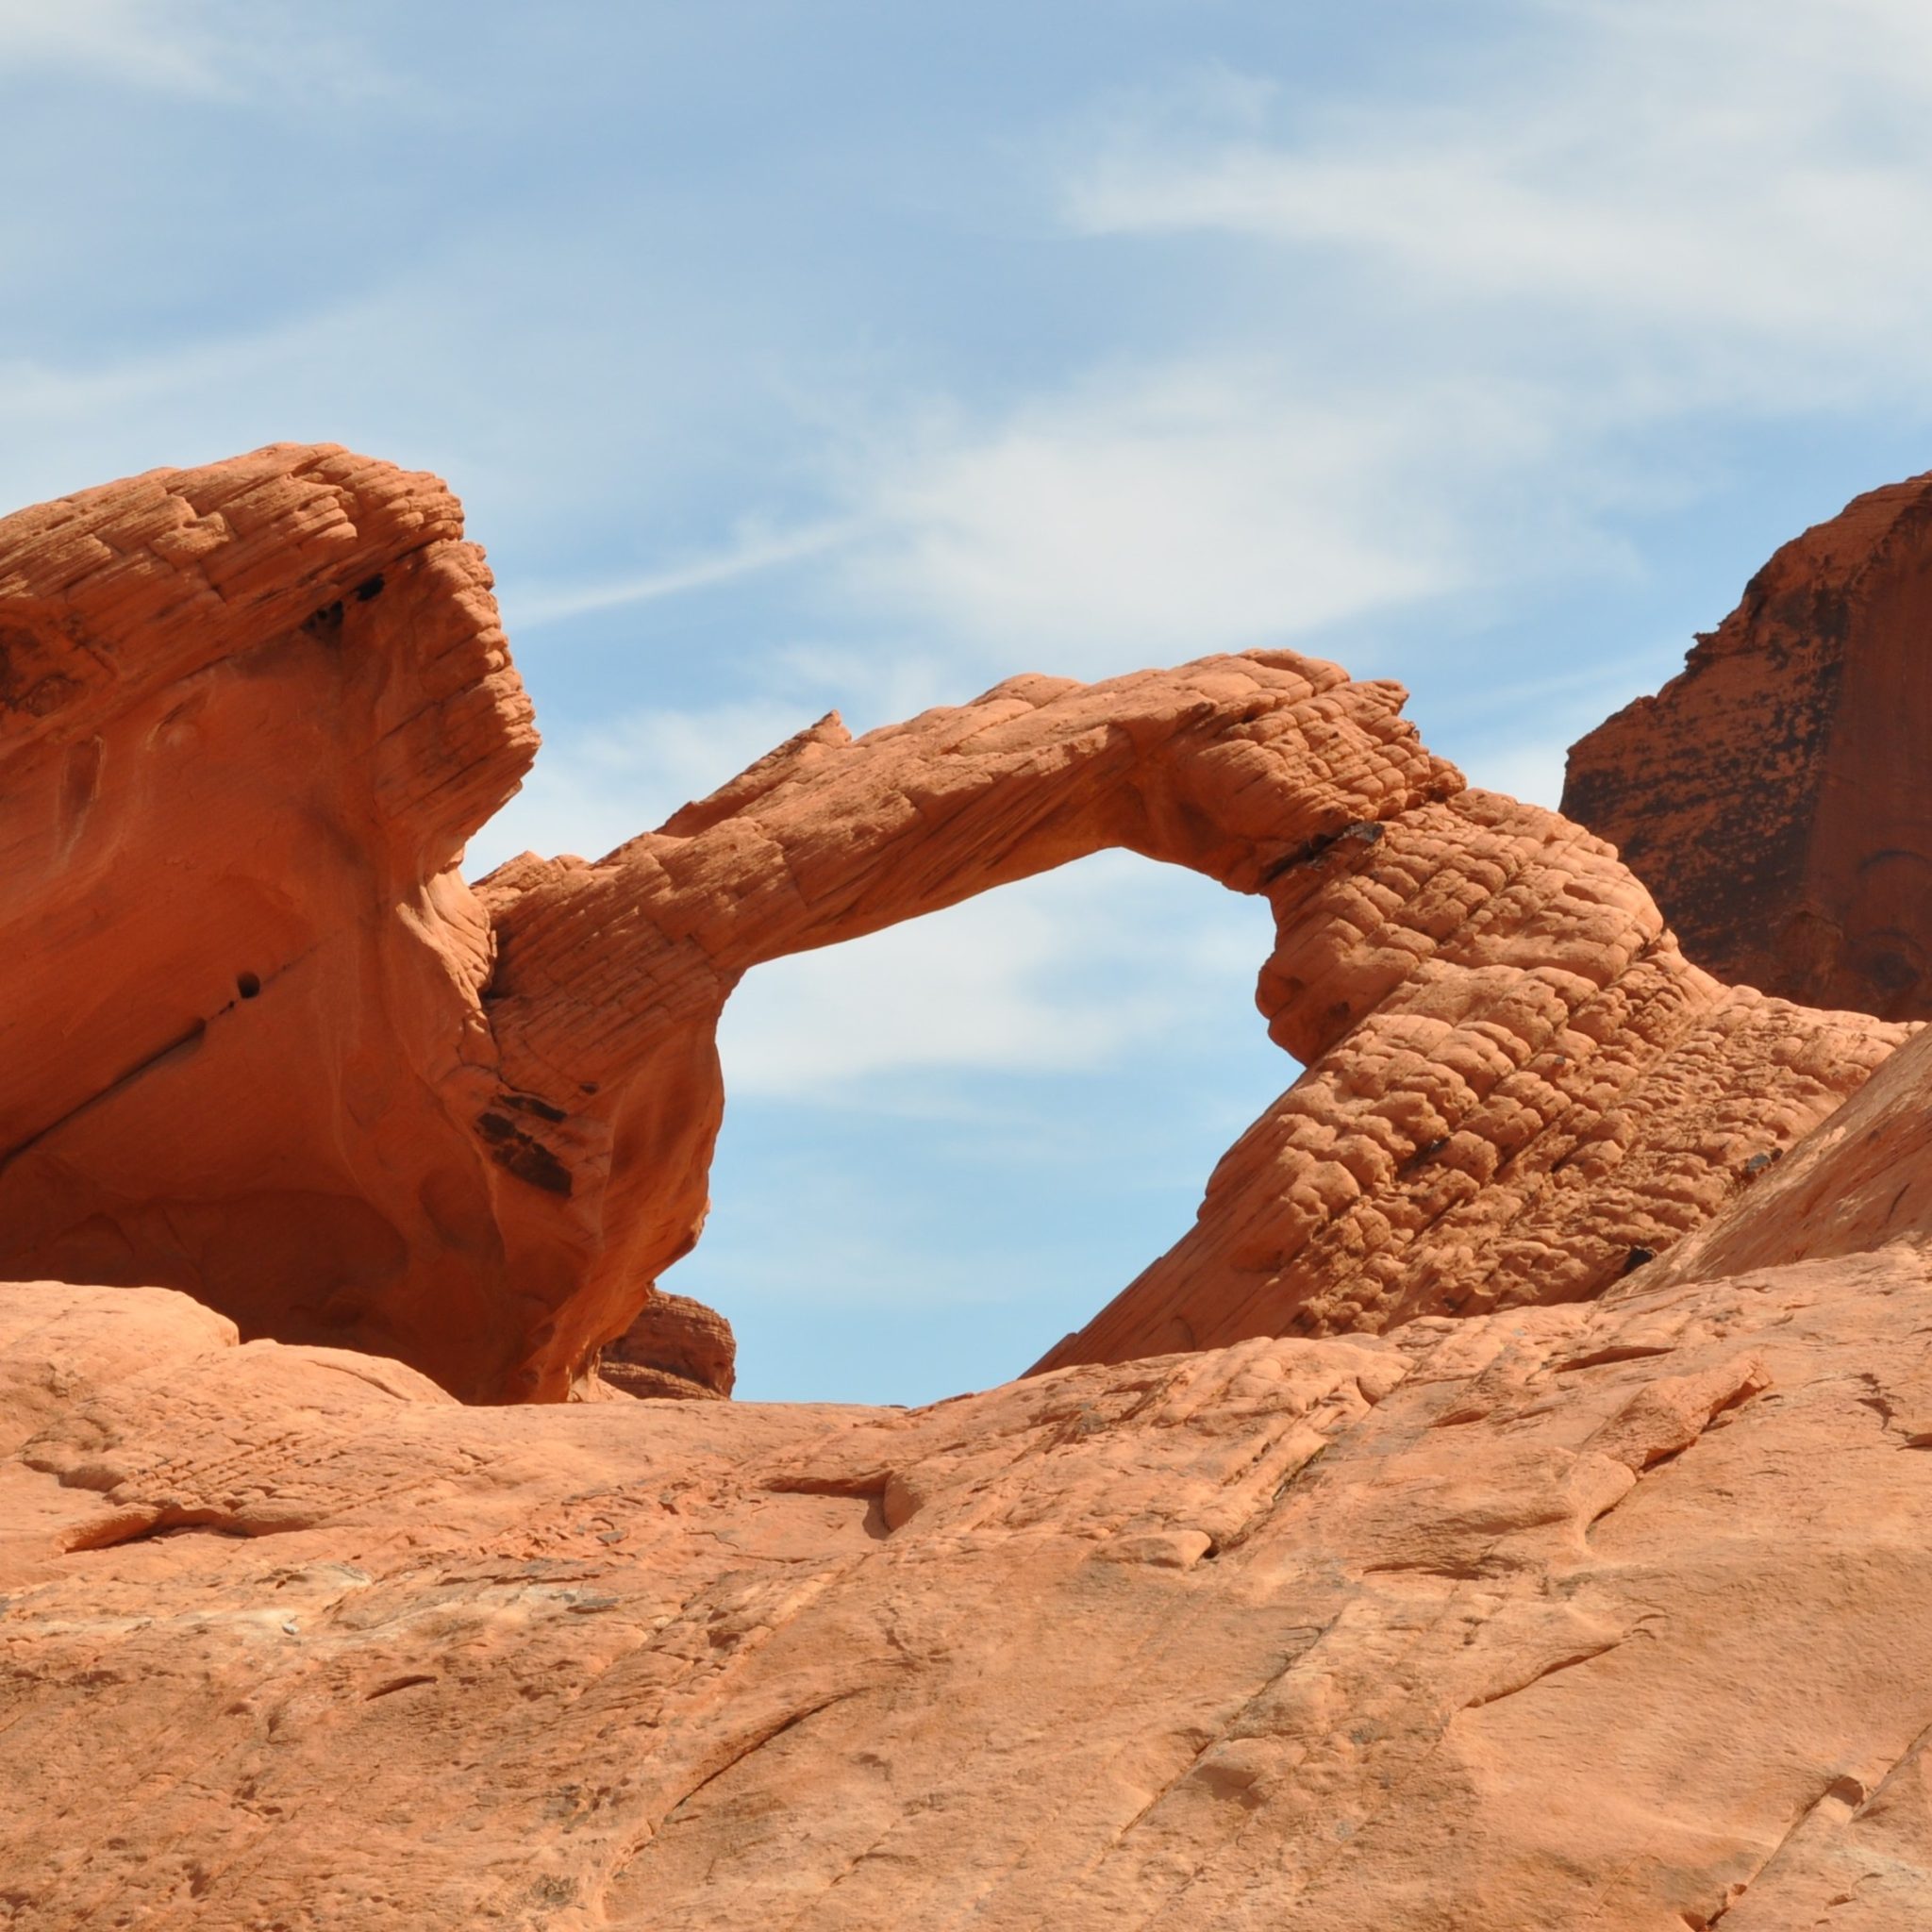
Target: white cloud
{"x": 1438, "y": 335}
{"x": 130, "y": 41}
{"x": 1720, "y": 181}
{"x": 206, "y": 49}
{"x": 1158, "y": 510}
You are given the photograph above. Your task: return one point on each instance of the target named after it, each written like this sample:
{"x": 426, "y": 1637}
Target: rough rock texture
{"x": 263, "y": 1044}
{"x": 1773, "y": 795}
{"x": 1238, "y": 767}
{"x": 1605, "y": 1615}
{"x": 1858, "y": 1183}
{"x": 676, "y": 1347}
{"x": 1518, "y": 1090}
{"x": 249, "y": 716}
{"x": 1567, "y": 1567}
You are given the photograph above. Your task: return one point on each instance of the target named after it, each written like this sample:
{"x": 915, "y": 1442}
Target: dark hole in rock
{"x": 247, "y": 985}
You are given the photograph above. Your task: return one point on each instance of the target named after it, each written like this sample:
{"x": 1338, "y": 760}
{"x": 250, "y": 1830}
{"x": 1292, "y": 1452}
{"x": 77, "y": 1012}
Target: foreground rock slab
{"x": 1606, "y": 1615}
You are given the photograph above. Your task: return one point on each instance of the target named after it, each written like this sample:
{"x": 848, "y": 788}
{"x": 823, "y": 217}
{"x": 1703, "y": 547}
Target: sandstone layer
{"x": 1504, "y": 1507}
{"x": 1518, "y": 1090}
{"x": 1773, "y": 795}
{"x": 265, "y": 1045}
{"x": 1605, "y": 1615}
{"x": 676, "y": 1347}
{"x": 250, "y": 715}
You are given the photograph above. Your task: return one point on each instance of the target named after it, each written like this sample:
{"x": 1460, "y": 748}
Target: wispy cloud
{"x": 134, "y": 42}
{"x": 1440, "y": 337}
{"x": 1152, "y": 509}
{"x": 751, "y": 555}
{"x": 1714, "y": 181}
{"x": 212, "y": 50}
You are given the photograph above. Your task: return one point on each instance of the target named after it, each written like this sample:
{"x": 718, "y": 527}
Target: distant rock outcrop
{"x": 675, "y": 1347}
{"x": 262, "y": 1043}
{"x": 1773, "y": 795}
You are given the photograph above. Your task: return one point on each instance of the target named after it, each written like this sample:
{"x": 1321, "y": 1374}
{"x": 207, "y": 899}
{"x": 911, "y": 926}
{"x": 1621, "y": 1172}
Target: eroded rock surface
{"x": 677, "y": 1347}
{"x": 1773, "y": 795}
{"x": 1607, "y": 1614}
{"x": 249, "y": 716}
{"x": 1518, "y": 1090}
{"x": 1531, "y": 1536}
{"x": 263, "y": 1043}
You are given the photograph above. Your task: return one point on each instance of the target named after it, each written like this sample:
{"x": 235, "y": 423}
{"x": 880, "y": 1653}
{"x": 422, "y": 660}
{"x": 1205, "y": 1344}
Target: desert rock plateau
{"x": 1507, "y": 1506}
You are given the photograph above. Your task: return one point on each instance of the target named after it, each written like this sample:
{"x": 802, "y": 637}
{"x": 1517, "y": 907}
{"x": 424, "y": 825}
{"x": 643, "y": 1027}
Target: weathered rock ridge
{"x": 265, "y": 1045}
{"x": 1772, "y": 794}
{"x": 1518, "y": 1090}
{"x": 677, "y": 1347}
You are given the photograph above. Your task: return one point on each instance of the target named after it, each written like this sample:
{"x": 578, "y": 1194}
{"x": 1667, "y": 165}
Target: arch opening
{"x": 948, "y": 1143}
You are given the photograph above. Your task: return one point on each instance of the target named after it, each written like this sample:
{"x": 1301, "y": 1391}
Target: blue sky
{"x": 859, "y": 355}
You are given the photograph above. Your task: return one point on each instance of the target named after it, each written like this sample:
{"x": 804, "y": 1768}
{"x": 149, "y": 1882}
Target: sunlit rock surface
{"x": 1505, "y": 1508}
{"x": 1608, "y": 1614}
{"x": 1773, "y": 796}
{"x": 263, "y": 1043}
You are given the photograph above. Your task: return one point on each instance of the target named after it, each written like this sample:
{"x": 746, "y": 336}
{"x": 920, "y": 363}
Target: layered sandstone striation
{"x": 264, "y": 1045}
{"x": 250, "y": 715}
{"x": 1772, "y": 794}
{"x": 675, "y": 1347}
{"x": 611, "y": 977}
{"x": 1604, "y": 1614}
{"x": 1503, "y": 1508}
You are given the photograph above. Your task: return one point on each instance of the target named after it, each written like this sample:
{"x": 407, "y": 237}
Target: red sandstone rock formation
{"x": 252, "y": 715}
{"x": 675, "y": 1347}
{"x": 304, "y": 1072}
{"x": 1458, "y": 1609}
{"x": 1608, "y": 1614}
{"x": 1518, "y": 1090}
{"x": 1774, "y": 794}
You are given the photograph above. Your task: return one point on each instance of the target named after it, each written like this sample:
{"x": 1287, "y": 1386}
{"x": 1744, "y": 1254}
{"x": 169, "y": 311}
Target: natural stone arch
{"x": 945, "y": 1144}
{"x": 1235, "y": 767}
{"x": 274, "y": 693}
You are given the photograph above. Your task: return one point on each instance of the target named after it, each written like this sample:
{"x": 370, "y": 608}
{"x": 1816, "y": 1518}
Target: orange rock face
{"x": 263, "y": 1043}
{"x": 253, "y": 712}
{"x": 1518, "y": 1090}
{"x": 1773, "y": 795}
{"x": 1504, "y": 1509}
{"x": 675, "y": 1347}
{"x": 1606, "y": 1614}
